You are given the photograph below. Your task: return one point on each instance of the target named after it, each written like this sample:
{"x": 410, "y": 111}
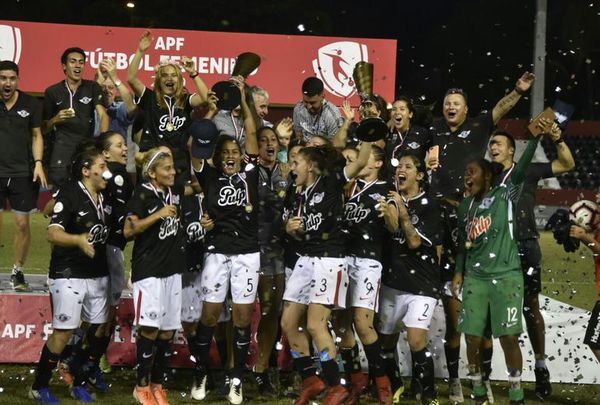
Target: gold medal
{"x": 282, "y": 194}
{"x": 170, "y": 126}
{"x": 468, "y": 244}
{"x": 249, "y": 208}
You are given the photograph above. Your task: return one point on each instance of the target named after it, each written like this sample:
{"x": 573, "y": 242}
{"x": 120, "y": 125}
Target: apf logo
{"x": 335, "y": 63}
{"x": 10, "y": 43}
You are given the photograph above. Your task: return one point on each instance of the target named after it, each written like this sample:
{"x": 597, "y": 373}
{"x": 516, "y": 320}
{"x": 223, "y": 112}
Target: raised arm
{"x": 507, "y": 102}
{"x": 341, "y": 137}
{"x": 109, "y": 66}
{"x": 251, "y": 145}
{"x": 564, "y": 161}
{"x": 201, "y": 95}
{"x": 132, "y": 73}
{"x": 352, "y": 169}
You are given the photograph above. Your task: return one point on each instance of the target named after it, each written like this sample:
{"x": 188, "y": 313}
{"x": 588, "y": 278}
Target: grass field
{"x": 566, "y": 277}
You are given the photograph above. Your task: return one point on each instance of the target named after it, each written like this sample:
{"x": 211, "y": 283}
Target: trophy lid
{"x": 245, "y": 64}
{"x": 228, "y": 95}
{"x": 371, "y": 129}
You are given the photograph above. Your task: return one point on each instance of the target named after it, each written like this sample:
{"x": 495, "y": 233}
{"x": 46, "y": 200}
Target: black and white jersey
{"x": 232, "y": 203}
{"x": 166, "y": 126}
{"x": 16, "y": 125}
{"x": 416, "y": 141}
{"x": 272, "y": 187}
{"x": 71, "y": 132}
{"x": 117, "y": 194}
{"x": 321, "y": 207}
{"x": 366, "y": 230}
{"x": 194, "y": 232}
{"x": 415, "y": 270}
{"x": 159, "y": 251}
{"x": 76, "y": 213}
{"x": 457, "y": 149}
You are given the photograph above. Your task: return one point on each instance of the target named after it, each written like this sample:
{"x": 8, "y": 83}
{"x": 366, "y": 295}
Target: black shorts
{"x": 592, "y": 333}
{"x": 531, "y": 264}
{"x": 20, "y": 193}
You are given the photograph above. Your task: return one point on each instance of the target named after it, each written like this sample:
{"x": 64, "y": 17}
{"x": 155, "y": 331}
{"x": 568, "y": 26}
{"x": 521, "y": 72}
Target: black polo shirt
{"x": 16, "y": 125}
{"x": 467, "y": 143}
{"x": 70, "y": 133}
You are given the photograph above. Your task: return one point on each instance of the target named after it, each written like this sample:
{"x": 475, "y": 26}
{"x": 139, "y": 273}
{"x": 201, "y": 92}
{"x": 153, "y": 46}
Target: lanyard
{"x": 306, "y": 194}
{"x": 71, "y": 94}
{"x": 165, "y": 198}
{"x": 97, "y": 206}
{"x": 171, "y": 109}
{"x": 240, "y": 134}
{"x": 355, "y": 194}
{"x": 508, "y": 173}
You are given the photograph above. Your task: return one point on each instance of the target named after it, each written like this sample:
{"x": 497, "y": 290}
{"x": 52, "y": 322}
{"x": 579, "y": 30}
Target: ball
{"x": 585, "y": 213}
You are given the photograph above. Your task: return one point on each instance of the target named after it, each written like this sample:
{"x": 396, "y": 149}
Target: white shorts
{"x": 288, "y": 273}
{"x": 318, "y": 280}
{"x": 415, "y": 311}
{"x": 365, "y": 279}
{"x": 116, "y": 269}
{"x": 157, "y": 302}
{"x": 191, "y": 299}
{"x": 78, "y": 299}
{"x": 447, "y": 290}
{"x": 236, "y": 272}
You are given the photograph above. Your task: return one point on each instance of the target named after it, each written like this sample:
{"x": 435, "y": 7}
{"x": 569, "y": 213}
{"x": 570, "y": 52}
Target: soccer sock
{"x": 241, "y": 343}
{"x": 452, "y": 356}
{"x": 162, "y": 360}
{"x": 223, "y": 349}
{"x": 16, "y": 269}
{"x": 145, "y": 355}
{"x": 304, "y": 365}
{"x": 347, "y": 355}
{"x": 423, "y": 369}
{"x": 204, "y": 336}
{"x": 486, "y": 366}
{"x": 515, "y": 392}
{"x": 391, "y": 368}
{"x": 373, "y": 354}
{"x": 331, "y": 371}
{"x": 43, "y": 373}
{"x": 97, "y": 347}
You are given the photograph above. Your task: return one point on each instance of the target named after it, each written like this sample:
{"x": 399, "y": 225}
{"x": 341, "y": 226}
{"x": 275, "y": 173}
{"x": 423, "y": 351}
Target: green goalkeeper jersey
{"x": 486, "y": 244}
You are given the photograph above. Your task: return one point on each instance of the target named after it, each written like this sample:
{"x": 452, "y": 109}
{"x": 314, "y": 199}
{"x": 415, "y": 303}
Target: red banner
{"x": 286, "y": 59}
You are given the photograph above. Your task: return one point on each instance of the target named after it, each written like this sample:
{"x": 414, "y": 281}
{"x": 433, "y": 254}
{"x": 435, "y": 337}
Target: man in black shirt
{"x": 69, "y": 108}
{"x": 20, "y": 161}
{"x": 460, "y": 139}
{"x": 502, "y": 150}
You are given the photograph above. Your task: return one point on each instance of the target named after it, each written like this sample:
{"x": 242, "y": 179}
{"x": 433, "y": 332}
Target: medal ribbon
{"x": 170, "y": 108}
{"x": 71, "y": 94}
{"x": 98, "y": 206}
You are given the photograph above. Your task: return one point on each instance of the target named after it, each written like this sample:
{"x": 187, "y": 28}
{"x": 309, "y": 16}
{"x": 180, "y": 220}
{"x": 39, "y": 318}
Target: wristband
{"x": 193, "y": 76}
{"x": 118, "y": 83}
{"x": 520, "y": 92}
{"x": 559, "y": 141}
{"x": 38, "y": 160}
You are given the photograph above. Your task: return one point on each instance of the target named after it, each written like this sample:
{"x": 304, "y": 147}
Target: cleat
{"x": 543, "y": 389}
{"x": 414, "y": 392}
{"x": 143, "y": 395}
{"x": 456, "y": 393}
{"x": 159, "y": 393}
{"x": 263, "y": 383}
{"x": 17, "y": 280}
{"x": 81, "y": 394}
{"x": 235, "y": 395}
{"x": 490, "y": 394}
{"x": 384, "y": 390}
{"x": 311, "y": 387}
{"x": 336, "y": 395}
{"x": 43, "y": 396}
{"x": 94, "y": 377}
{"x": 65, "y": 373}
{"x": 359, "y": 382}
{"x": 433, "y": 401}
{"x": 398, "y": 395}
{"x": 199, "y": 387}
{"x": 104, "y": 365}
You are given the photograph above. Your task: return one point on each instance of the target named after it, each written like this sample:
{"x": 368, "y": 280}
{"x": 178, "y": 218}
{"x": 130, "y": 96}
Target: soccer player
{"x": 406, "y": 137}
{"x": 364, "y": 251}
{"x": 319, "y": 280}
{"x": 488, "y": 269}
{"x": 502, "y": 150}
{"x": 154, "y": 220}
{"x": 78, "y": 279}
{"x": 411, "y": 276}
{"x": 70, "y": 110}
{"x": 20, "y": 161}
{"x": 167, "y": 107}
{"x": 460, "y": 139}
{"x": 592, "y": 241}
{"x": 232, "y": 258}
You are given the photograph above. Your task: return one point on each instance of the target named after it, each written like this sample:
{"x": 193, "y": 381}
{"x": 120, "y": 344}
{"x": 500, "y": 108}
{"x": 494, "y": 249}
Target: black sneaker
{"x": 18, "y": 282}
{"x": 543, "y": 389}
{"x": 263, "y": 383}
